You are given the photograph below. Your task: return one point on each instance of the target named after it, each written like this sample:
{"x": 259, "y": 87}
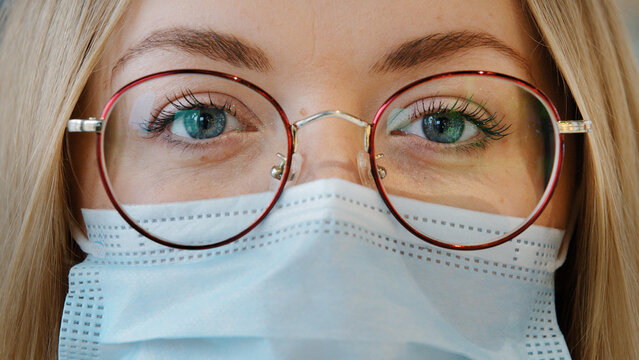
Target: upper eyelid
{"x": 490, "y": 126}
{"x": 164, "y": 116}
{"x": 192, "y": 102}
{"x": 467, "y": 101}
{"x": 190, "y": 98}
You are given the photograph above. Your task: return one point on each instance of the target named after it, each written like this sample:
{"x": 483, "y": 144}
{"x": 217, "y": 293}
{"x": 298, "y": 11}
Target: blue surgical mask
{"x": 328, "y": 275}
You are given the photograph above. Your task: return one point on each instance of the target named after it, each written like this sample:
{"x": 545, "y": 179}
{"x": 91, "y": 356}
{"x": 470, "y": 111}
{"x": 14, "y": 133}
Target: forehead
{"x": 325, "y": 44}
{"x": 331, "y": 24}
{"x": 295, "y": 20}
{"x": 318, "y": 32}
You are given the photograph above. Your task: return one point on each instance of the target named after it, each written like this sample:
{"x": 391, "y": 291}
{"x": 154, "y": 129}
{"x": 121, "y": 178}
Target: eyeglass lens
{"x": 182, "y": 140}
{"x": 466, "y": 144}
{"x": 206, "y": 147}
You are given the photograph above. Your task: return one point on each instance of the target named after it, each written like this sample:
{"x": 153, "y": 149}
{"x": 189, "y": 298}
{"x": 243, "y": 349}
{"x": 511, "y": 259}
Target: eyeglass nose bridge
{"x": 362, "y": 159}
{"x": 336, "y": 114}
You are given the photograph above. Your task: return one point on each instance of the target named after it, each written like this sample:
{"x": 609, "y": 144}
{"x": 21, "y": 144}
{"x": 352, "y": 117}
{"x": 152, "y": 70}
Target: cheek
{"x": 557, "y": 211}
{"x": 85, "y": 184}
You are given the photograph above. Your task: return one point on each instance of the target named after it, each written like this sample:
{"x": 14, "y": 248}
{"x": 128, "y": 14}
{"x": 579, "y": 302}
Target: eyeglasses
{"x": 465, "y": 142}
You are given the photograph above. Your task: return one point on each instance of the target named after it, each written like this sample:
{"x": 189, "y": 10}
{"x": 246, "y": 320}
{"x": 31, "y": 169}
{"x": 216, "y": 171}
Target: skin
{"x": 321, "y": 54}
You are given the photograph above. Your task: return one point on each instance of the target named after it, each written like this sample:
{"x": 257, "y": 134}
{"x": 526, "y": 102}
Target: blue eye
{"x": 445, "y": 127}
{"x": 454, "y": 122}
{"x": 199, "y": 123}
{"x": 191, "y": 117}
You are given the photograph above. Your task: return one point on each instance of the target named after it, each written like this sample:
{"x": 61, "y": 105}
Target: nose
{"x": 329, "y": 144}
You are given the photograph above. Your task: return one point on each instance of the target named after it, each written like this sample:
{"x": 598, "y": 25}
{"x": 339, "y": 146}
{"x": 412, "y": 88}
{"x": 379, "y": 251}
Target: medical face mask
{"x": 329, "y": 274}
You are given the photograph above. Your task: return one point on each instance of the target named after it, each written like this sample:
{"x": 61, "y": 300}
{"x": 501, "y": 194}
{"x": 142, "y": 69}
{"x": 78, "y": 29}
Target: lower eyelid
{"x": 433, "y": 151}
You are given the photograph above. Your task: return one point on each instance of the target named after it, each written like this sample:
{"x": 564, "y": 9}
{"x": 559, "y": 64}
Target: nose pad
{"x": 277, "y": 171}
{"x": 364, "y": 167}
{"x": 329, "y": 148}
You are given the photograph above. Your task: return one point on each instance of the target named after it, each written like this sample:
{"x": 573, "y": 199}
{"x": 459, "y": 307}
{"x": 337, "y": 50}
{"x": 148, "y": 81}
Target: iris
{"x": 443, "y": 127}
{"x": 202, "y": 123}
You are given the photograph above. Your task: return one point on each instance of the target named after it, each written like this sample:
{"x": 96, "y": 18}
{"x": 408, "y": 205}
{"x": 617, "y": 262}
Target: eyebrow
{"x": 209, "y": 43}
{"x": 230, "y": 49}
{"x": 439, "y": 46}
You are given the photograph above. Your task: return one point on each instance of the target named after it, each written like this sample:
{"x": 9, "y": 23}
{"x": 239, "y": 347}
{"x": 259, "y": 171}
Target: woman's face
{"x": 314, "y": 56}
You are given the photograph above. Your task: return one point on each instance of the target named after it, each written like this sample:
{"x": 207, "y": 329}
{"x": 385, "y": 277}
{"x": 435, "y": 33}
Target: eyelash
{"x": 161, "y": 119}
{"x": 492, "y": 128}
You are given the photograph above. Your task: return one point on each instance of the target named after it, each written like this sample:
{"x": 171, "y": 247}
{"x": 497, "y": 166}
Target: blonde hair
{"x": 48, "y": 50}
{"x": 587, "y": 41}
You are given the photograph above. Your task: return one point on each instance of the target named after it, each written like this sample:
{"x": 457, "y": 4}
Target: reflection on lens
{"x": 192, "y": 149}
{"x": 466, "y": 144}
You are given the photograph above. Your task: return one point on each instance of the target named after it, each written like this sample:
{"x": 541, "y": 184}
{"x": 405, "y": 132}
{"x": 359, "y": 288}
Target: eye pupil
{"x": 204, "y": 123}
{"x": 443, "y": 128}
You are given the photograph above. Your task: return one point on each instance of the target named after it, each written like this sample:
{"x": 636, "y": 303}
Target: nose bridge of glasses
{"x": 324, "y": 143}
{"x": 332, "y": 114}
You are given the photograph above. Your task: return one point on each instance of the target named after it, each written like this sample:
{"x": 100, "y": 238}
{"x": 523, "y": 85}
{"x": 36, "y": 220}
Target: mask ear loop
{"x": 85, "y": 244}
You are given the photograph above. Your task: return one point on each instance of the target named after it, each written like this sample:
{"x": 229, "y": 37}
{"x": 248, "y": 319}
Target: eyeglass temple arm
{"x": 574, "y": 126}
{"x": 84, "y": 125}
{"x": 95, "y": 125}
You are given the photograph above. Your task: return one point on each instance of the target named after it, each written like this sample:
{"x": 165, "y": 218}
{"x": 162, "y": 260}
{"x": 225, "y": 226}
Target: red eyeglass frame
{"x": 557, "y": 163}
